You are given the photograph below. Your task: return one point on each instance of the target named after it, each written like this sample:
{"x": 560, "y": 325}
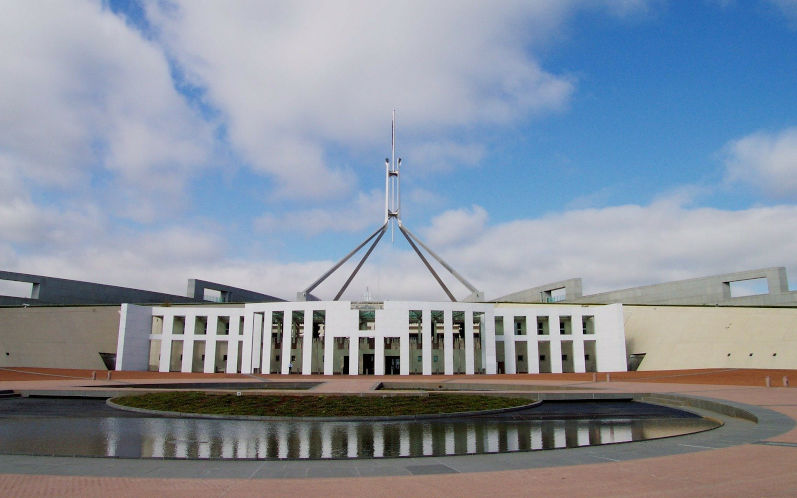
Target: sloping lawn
{"x": 316, "y": 406}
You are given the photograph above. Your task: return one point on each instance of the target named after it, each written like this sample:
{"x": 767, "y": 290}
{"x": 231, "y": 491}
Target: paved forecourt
{"x": 761, "y": 458}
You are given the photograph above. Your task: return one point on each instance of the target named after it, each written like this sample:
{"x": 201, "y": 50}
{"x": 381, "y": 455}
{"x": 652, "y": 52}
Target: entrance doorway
{"x": 368, "y": 364}
{"x": 392, "y": 365}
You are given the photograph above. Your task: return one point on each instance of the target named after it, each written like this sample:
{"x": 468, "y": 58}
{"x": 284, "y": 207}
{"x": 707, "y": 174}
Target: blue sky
{"x": 626, "y": 142}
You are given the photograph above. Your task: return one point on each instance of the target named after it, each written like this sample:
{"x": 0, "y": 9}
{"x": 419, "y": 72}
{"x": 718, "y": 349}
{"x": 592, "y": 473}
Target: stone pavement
{"x": 740, "y": 460}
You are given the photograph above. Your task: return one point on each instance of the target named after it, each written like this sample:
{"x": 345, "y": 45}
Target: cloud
{"x": 788, "y": 8}
{"x": 85, "y": 98}
{"x": 624, "y": 246}
{"x": 767, "y": 161}
{"x": 366, "y": 211}
{"x": 443, "y": 155}
{"x": 293, "y": 79}
{"x": 610, "y": 248}
{"x": 456, "y": 226}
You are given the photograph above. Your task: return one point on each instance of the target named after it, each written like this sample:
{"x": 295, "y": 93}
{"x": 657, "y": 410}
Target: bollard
{"x": 767, "y": 381}
{"x": 608, "y": 377}
{"x": 108, "y": 376}
{"x": 785, "y": 381}
{"x": 94, "y": 376}
{"x": 594, "y": 377}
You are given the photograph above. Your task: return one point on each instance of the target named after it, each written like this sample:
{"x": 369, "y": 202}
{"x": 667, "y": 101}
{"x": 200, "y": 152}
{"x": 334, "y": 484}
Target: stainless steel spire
{"x": 392, "y": 219}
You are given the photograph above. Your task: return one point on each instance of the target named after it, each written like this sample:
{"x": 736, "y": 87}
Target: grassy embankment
{"x": 316, "y": 406}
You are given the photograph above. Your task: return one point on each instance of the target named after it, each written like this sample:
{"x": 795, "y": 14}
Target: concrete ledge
{"x": 721, "y": 407}
{"x": 471, "y": 386}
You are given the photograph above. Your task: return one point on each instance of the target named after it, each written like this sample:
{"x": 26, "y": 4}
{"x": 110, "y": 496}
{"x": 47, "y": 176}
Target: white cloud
{"x": 767, "y": 161}
{"x": 624, "y": 246}
{"x": 291, "y": 78}
{"x": 366, "y": 210}
{"x": 456, "y": 226}
{"x": 443, "y": 155}
{"x": 611, "y": 248}
{"x": 788, "y": 8}
{"x": 85, "y": 96}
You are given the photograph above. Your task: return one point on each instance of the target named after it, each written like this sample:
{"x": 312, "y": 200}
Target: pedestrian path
{"x": 347, "y": 386}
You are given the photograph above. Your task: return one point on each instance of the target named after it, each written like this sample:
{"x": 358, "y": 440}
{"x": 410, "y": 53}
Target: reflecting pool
{"x": 144, "y": 437}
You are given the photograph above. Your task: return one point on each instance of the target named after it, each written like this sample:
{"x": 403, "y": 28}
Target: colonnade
{"x": 333, "y": 337}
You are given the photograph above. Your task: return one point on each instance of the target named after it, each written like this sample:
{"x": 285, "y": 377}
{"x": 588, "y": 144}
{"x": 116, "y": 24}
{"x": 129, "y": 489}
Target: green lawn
{"x": 316, "y": 406}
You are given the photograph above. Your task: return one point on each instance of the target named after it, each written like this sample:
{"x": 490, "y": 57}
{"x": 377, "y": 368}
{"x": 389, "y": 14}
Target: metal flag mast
{"x": 393, "y": 219}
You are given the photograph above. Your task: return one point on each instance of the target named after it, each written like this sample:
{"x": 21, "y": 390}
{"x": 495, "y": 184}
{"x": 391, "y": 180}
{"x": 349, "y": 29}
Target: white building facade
{"x": 372, "y": 338}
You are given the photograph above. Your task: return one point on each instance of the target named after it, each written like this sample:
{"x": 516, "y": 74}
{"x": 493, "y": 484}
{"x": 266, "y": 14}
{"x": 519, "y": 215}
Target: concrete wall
{"x": 228, "y": 294}
{"x": 679, "y": 337}
{"x": 704, "y": 290}
{"x": 711, "y": 290}
{"x": 58, "y": 337}
{"x": 135, "y": 325}
{"x": 542, "y": 294}
{"x": 51, "y": 290}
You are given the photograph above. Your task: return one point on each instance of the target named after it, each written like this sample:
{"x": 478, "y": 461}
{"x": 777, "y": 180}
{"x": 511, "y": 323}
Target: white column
{"x": 469, "y": 366}
{"x": 210, "y": 344}
{"x": 232, "y": 343}
{"x": 287, "y": 319}
{"x": 247, "y": 340}
{"x": 577, "y": 331}
{"x": 510, "y": 360}
{"x": 426, "y": 344}
{"x": 448, "y": 342}
{"x": 404, "y": 349}
{"x": 307, "y": 343}
{"x": 354, "y": 354}
{"x": 556, "y": 345}
{"x": 489, "y": 341}
{"x": 329, "y": 351}
{"x": 532, "y": 347}
{"x": 265, "y": 356}
{"x": 379, "y": 354}
{"x": 166, "y": 342}
{"x": 188, "y": 343}
{"x": 257, "y": 338}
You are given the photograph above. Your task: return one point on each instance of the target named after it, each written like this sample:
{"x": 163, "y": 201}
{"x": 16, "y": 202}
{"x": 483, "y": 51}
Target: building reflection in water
{"x": 225, "y": 439}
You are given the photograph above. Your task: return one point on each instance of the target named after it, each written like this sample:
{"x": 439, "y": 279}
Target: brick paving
{"x": 745, "y": 470}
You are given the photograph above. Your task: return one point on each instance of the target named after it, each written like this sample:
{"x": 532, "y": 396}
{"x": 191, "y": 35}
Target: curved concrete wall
{"x": 57, "y": 337}
{"x": 684, "y": 337}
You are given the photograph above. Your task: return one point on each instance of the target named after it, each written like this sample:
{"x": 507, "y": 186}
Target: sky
{"x": 625, "y": 142}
